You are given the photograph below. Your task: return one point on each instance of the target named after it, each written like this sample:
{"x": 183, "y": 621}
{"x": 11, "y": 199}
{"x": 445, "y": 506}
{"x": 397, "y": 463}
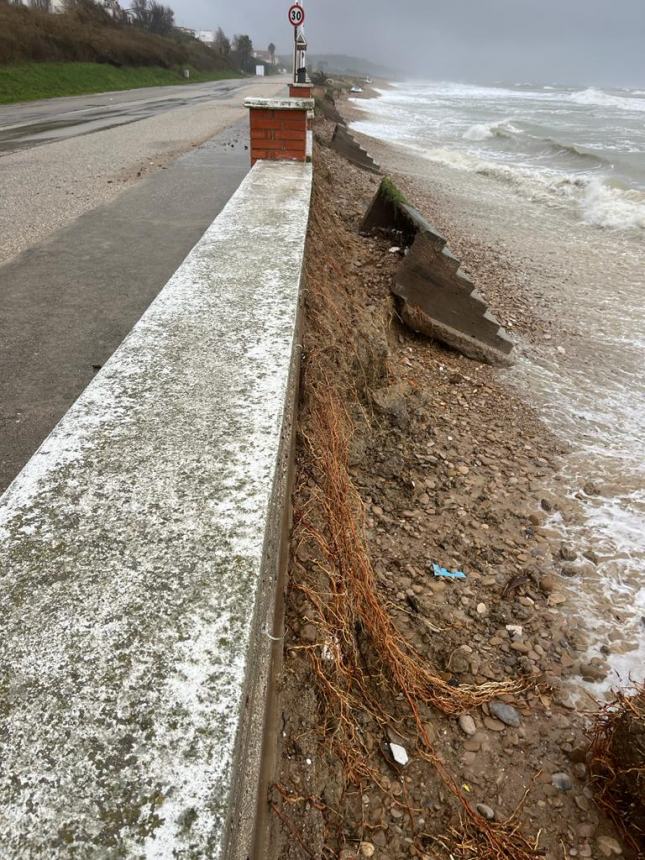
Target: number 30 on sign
{"x": 296, "y": 15}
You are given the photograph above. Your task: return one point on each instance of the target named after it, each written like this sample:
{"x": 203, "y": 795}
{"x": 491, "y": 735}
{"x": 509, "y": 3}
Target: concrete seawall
{"x": 139, "y": 554}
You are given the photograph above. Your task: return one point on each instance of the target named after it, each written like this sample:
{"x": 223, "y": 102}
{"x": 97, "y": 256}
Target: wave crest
{"x": 600, "y": 98}
{"x": 600, "y": 203}
{"x": 487, "y": 130}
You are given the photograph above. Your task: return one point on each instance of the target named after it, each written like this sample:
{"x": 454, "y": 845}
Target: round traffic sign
{"x": 296, "y": 15}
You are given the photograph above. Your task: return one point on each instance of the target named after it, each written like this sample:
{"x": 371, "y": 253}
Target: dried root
{"x": 617, "y": 765}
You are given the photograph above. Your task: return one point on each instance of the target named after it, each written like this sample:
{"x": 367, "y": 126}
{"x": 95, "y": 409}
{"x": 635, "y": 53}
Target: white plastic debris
{"x": 515, "y": 631}
{"x": 399, "y": 754}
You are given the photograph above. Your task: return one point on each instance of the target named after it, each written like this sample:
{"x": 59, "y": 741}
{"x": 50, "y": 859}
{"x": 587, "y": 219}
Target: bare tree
{"x": 140, "y": 13}
{"x": 42, "y": 5}
{"x": 162, "y": 19}
{"x": 243, "y": 50}
{"x": 222, "y": 44}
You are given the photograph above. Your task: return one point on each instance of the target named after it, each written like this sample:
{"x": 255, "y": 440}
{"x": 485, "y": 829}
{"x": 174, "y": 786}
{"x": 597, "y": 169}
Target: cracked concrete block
{"x": 344, "y": 144}
{"x": 437, "y": 297}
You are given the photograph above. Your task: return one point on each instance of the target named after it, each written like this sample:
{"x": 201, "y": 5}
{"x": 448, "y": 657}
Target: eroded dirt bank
{"x": 408, "y": 456}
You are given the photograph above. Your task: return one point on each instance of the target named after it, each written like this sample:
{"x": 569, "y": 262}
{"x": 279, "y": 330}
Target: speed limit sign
{"x": 296, "y": 15}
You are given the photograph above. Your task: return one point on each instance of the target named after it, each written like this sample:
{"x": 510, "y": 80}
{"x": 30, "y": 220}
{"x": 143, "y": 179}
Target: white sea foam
{"x": 488, "y": 130}
{"x": 599, "y": 203}
{"x": 613, "y": 207}
{"x": 600, "y": 98}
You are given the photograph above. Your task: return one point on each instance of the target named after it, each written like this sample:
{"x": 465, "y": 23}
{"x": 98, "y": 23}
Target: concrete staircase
{"x": 344, "y": 144}
{"x": 437, "y": 298}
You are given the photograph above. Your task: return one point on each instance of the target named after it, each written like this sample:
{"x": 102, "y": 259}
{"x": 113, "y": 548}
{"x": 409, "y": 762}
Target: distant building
{"x": 206, "y": 36}
{"x": 112, "y": 7}
{"x": 266, "y": 57}
{"x": 187, "y": 31}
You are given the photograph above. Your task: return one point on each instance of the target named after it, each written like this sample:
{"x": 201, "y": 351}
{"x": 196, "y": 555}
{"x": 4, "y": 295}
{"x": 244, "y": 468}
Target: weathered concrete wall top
{"x": 132, "y": 556}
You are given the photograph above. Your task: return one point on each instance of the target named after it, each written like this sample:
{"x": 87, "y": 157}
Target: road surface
{"x": 62, "y": 157}
{"x": 91, "y": 228}
{"x": 35, "y": 123}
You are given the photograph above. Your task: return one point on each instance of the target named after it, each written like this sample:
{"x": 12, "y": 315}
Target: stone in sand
{"x": 505, "y": 713}
{"x": 562, "y": 781}
{"x": 485, "y": 812}
{"x": 467, "y": 725}
{"x": 609, "y": 847}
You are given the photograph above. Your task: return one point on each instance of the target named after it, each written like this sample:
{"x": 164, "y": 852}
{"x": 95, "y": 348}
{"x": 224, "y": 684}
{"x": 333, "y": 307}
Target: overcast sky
{"x": 576, "y": 41}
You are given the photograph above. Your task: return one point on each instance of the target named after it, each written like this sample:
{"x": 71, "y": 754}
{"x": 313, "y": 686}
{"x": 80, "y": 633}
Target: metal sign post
{"x": 297, "y": 19}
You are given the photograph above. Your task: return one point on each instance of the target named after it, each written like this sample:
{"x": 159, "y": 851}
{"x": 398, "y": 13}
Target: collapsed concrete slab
{"x": 437, "y": 299}
{"x": 139, "y": 553}
{"x": 344, "y": 144}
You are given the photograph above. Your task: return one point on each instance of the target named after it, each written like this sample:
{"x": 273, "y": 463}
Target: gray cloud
{"x": 577, "y": 41}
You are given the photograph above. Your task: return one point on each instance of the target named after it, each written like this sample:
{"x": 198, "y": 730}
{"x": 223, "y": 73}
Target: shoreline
{"x": 448, "y": 466}
{"x": 526, "y": 297}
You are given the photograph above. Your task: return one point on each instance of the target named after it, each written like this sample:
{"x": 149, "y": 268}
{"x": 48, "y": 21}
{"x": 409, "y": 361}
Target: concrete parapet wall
{"x": 139, "y": 552}
{"x": 437, "y": 298}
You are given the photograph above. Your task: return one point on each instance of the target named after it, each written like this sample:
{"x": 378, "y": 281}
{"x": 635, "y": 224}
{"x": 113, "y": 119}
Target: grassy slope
{"x": 28, "y": 81}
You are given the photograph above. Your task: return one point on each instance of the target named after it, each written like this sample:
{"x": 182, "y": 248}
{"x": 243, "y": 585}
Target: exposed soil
{"x": 410, "y": 455}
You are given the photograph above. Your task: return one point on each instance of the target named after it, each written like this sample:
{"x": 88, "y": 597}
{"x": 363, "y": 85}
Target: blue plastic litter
{"x": 447, "y": 574}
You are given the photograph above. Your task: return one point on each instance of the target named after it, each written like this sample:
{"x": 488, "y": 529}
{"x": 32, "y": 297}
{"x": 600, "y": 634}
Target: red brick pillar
{"x": 280, "y": 129}
{"x": 300, "y": 91}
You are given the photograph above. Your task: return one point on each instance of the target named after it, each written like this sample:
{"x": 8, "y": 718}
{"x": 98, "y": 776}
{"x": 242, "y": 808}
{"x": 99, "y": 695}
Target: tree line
{"x": 157, "y": 19}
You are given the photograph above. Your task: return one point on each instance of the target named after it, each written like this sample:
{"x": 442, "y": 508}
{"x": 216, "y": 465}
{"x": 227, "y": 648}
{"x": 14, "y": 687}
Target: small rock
{"x": 591, "y": 489}
{"x": 399, "y": 754}
{"x": 485, "y": 812}
{"x": 562, "y": 781}
{"x": 309, "y": 633}
{"x": 567, "y": 552}
{"x": 367, "y": 849}
{"x": 506, "y": 713}
{"x": 481, "y": 609}
{"x": 392, "y": 401}
{"x": 593, "y": 672}
{"x": 515, "y": 631}
{"x": 556, "y": 599}
{"x": 494, "y": 725}
{"x": 467, "y": 725}
{"x": 548, "y": 583}
{"x": 458, "y": 662}
{"x": 580, "y": 770}
{"x": 609, "y": 846}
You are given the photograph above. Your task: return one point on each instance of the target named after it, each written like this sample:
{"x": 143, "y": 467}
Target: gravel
{"x": 49, "y": 186}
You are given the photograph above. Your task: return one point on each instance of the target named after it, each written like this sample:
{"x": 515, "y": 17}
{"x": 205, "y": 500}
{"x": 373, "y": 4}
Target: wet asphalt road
{"x": 35, "y": 123}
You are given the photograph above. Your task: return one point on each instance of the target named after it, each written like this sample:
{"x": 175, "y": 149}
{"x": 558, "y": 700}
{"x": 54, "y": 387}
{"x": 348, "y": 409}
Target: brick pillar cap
{"x": 280, "y": 104}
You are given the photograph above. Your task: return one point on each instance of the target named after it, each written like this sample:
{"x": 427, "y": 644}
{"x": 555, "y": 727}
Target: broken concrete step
{"x": 344, "y": 144}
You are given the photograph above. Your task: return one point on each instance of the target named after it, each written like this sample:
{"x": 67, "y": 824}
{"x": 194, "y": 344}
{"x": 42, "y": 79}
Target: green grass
{"x": 29, "y": 81}
{"x": 389, "y": 190}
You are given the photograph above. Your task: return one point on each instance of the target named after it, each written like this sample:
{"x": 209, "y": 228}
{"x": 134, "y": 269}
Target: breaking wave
{"x": 600, "y": 98}
{"x": 600, "y": 203}
{"x": 488, "y": 130}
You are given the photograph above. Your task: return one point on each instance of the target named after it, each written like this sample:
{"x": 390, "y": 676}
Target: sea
{"x": 575, "y": 157}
